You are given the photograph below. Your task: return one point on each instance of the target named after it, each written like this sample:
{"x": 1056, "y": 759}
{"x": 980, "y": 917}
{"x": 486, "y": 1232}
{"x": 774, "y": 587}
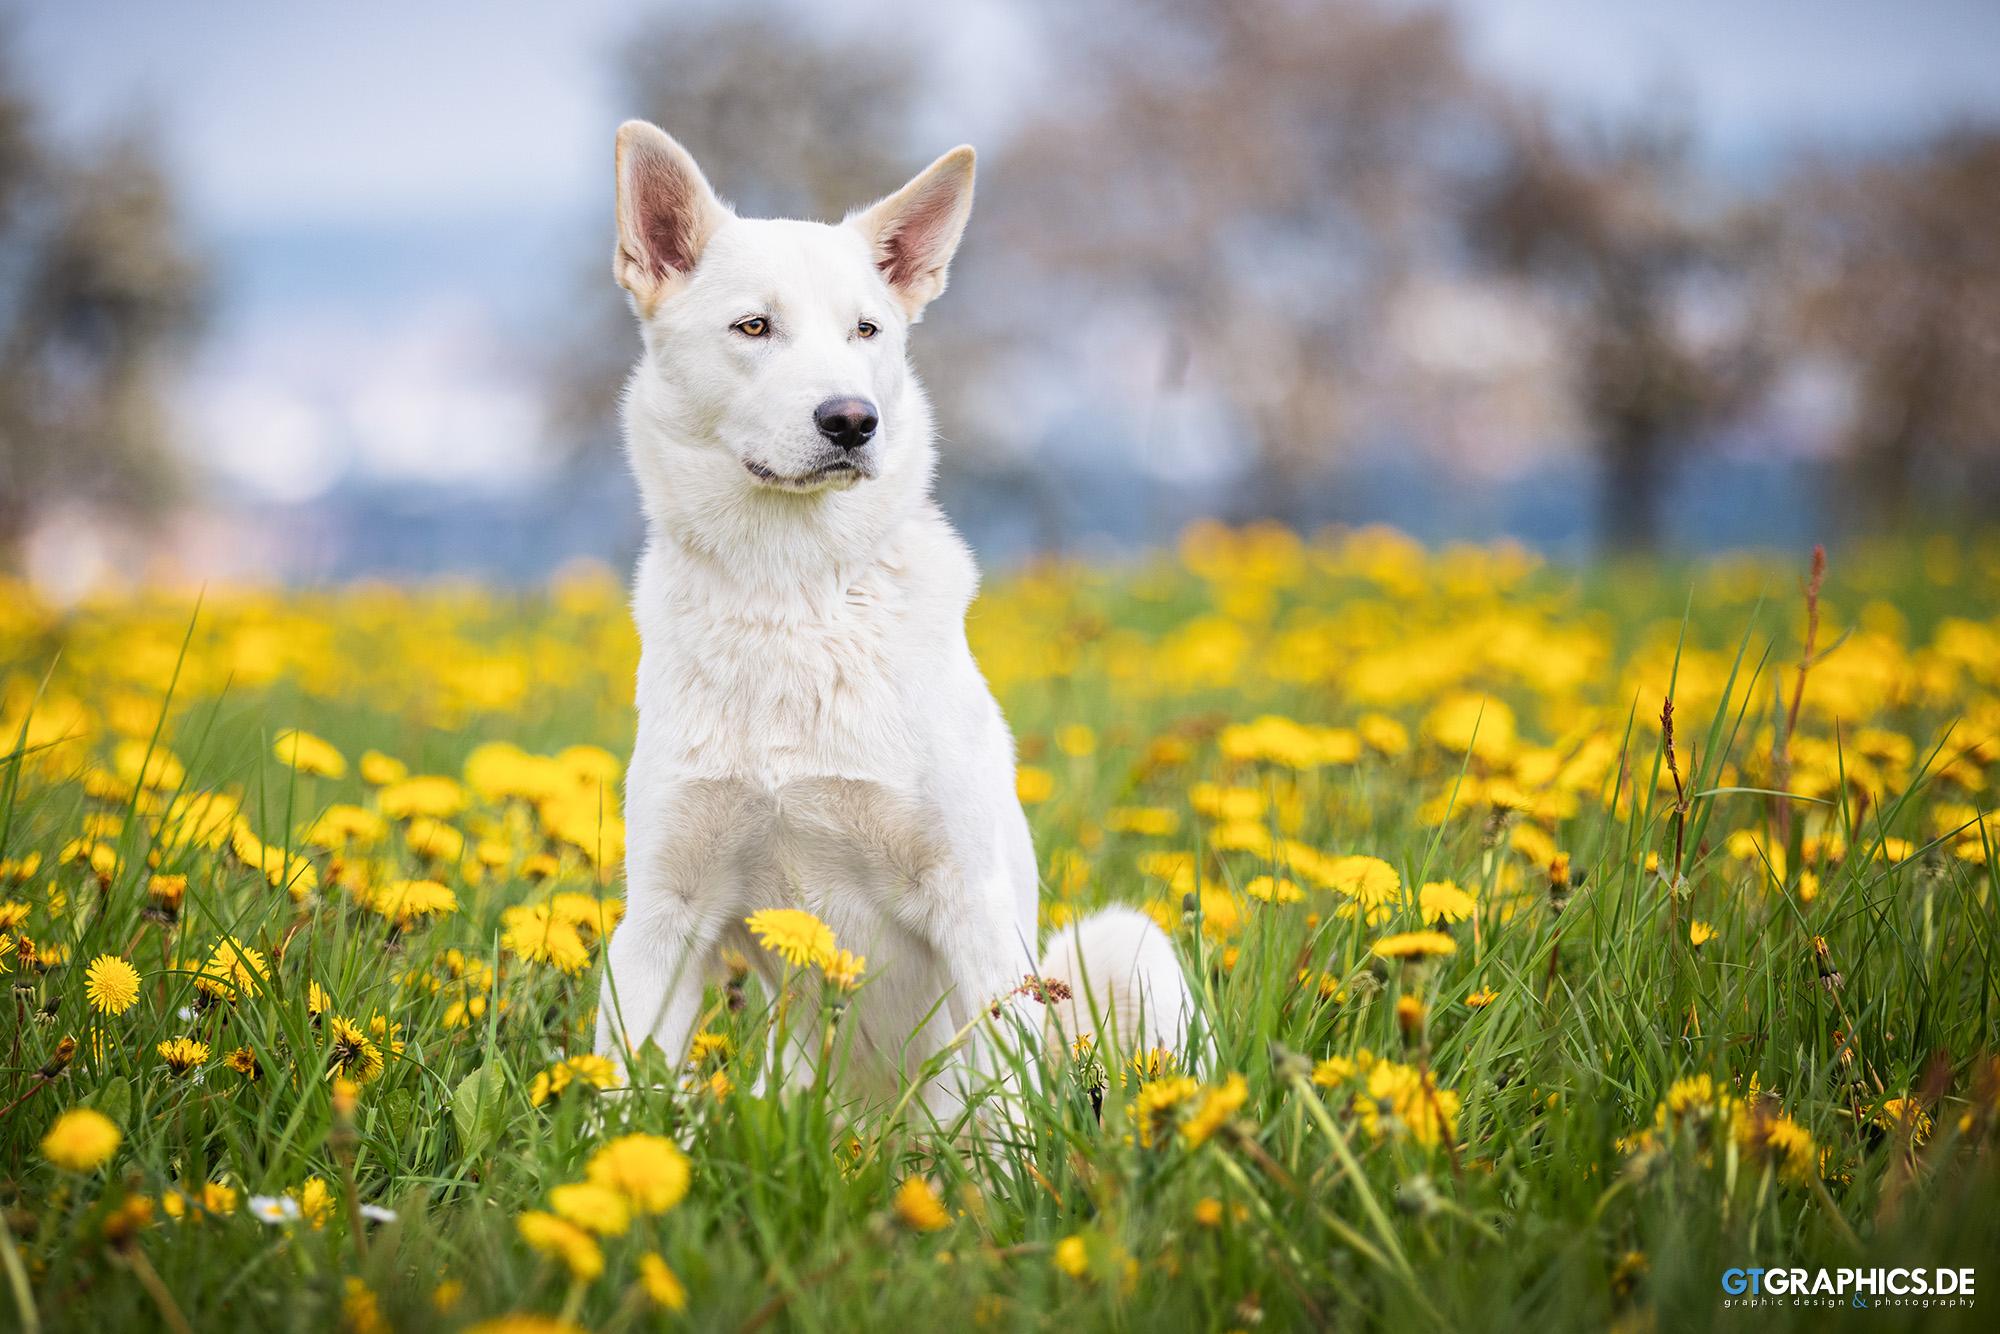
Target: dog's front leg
{"x": 983, "y": 949}
{"x": 685, "y": 873}
{"x": 653, "y": 975}
{"x": 985, "y": 952}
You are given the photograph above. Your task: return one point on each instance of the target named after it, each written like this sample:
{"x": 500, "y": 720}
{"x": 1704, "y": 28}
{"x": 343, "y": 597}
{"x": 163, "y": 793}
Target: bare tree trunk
{"x": 1634, "y": 482}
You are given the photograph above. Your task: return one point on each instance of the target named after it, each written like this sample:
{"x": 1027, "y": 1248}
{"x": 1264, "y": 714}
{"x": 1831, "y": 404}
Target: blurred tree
{"x": 1898, "y": 278}
{"x": 99, "y": 296}
{"x": 1247, "y": 182}
{"x": 787, "y": 120}
{"x": 1667, "y": 347}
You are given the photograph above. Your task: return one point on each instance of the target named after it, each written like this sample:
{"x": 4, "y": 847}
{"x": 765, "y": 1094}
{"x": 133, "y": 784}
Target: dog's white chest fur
{"x": 775, "y": 689}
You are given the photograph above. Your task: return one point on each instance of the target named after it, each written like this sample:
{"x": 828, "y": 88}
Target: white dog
{"x": 813, "y": 731}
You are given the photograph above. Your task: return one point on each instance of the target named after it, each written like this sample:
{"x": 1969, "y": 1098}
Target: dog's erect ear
{"x": 666, "y": 213}
{"x": 915, "y": 231}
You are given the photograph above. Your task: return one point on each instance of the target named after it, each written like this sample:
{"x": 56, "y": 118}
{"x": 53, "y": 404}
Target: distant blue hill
{"x": 400, "y": 531}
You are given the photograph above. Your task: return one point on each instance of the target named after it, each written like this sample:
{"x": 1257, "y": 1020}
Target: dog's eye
{"x": 754, "y": 327}
{"x": 866, "y": 329}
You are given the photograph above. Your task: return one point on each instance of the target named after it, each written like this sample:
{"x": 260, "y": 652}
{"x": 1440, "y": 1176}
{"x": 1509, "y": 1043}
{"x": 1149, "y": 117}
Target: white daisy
{"x": 275, "y": 1209}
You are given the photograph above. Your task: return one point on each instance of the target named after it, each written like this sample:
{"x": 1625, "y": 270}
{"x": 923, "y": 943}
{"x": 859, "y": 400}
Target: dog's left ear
{"x": 915, "y": 231}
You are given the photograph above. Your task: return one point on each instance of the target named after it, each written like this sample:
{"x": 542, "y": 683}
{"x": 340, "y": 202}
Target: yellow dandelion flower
{"x": 845, "y": 968}
{"x": 1274, "y": 889}
{"x": 662, "y": 1286}
{"x": 588, "y": 1070}
{"x": 1159, "y": 1104}
{"x": 563, "y": 1240}
{"x": 433, "y": 795}
{"x": 1783, "y": 1141}
{"x": 1072, "y": 1256}
{"x": 532, "y": 933}
{"x": 1468, "y": 722}
{"x": 1689, "y": 1094}
{"x": 1212, "y": 1112}
{"x": 182, "y": 1054}
{"x": 309, "y": 754}
{"x": 589, "y": 914}
{"x": 360, "y": 1310}
{"x": 1228, "y": 805}
{"x": 1371, "y": 882}
{"x": 1401, "y": 1099}
{"x": 379, "y": 770}
{"x": 124, "y": 1223}
{"x": 345, "y": 1096}
{"x": 593, "y": 1208}
{"x": 1152, "y": 1063}
{"x": 344, "y": 826}
{"x": 164, "y": 894}
{"x": 919, "y": 1207}
{"x": 351, "y": 1054}
{"x": 1445, "y": 901}
{"x": 1384, "y": 735}
{"x": 141, "y": 764}
{"x": 650, "y": 1171}
{"x": 793, "y": 934}
{"x": 1410, "y": 1015}
{"x": 1415, "y": 945}
{"x": 316, "y": 1201}
{"x": 709, "y": 1047}
{"x": 1906, "y": 1115}
{"x": 1700, "y": 933}
{"x": 1222, "y": 914}
{"x": 81, "y": 1140}
{"x": 233, "y": 971}
{"x": 112, "y": 984}
{"x": 1481, "y": 998}
{"x": 1334, "y": 1071}
{"x": 551, "y": 1082}
{"x": 1076, "y": 740}
{"x": 215, "y": 1198}
{"x": 409, "y": 902}
{"x": 433, "y": 840}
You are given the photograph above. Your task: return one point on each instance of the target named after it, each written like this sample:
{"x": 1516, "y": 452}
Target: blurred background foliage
{"x": 100, "y": 296}
{"x": 1293, "y": 259}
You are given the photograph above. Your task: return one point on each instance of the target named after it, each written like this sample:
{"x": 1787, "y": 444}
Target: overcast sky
{"x": 399, "y": 194}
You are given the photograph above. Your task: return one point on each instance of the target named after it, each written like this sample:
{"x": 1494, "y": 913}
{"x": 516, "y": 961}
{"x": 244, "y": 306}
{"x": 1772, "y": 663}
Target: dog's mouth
{"x": 834, "y": 473}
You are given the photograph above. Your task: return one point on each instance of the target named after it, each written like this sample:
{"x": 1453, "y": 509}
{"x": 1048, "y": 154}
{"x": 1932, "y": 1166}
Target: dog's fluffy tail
{"x": 1125, "y": 983}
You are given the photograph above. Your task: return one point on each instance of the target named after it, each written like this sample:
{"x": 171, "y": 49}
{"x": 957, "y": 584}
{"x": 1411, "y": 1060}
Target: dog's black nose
{"x": 847, "y": 422}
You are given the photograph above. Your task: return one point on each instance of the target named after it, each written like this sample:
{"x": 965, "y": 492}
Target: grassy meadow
{"x": 1523, "y": 1014}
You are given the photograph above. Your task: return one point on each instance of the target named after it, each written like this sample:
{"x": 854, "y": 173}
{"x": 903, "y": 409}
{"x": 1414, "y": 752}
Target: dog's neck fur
{"x": 774, "y": 548}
